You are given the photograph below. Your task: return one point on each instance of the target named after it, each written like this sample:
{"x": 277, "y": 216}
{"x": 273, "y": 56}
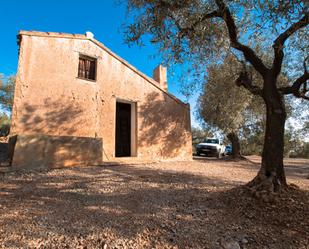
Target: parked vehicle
{"x": 228, "y": 150}
{"x": 210, "y": 147}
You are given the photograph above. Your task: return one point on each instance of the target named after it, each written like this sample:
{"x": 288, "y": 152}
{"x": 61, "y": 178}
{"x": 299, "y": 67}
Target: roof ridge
{"x": 48, "y": 33}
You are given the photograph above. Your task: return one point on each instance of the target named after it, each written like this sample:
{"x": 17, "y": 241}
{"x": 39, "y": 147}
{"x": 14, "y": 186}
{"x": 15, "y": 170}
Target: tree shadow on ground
{"x": 143, "y": 208}
{"x": 228, "y": 163}
{"x": 295, "y": 168}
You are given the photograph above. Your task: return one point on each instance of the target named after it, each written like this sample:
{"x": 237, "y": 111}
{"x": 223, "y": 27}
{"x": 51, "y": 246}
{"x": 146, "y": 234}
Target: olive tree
{"x": 226, "y": 109}
{"x": 197, "y": 31}
{"x": 234, "y": 111}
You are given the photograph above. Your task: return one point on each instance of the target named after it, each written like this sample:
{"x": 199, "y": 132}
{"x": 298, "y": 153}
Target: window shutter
{"x": 87, "y": 68}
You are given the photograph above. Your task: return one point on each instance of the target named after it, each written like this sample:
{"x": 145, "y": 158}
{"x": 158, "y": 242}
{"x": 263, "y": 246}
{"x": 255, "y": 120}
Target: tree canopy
{"x": 223, "y": 109}
{"x": 230, "y": 109}
{"x": 199, "y": 32}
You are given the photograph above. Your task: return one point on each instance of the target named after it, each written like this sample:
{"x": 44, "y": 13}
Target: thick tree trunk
{"x": 233, "y": 137}
{"x": 271, "y": 176}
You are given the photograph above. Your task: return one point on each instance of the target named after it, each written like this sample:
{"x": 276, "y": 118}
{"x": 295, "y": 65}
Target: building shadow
{"x": 4, "y": 147}
{"x": 165, "y": 125}
{"x": 53, "y": 117}
{"x": 52, "y": 135}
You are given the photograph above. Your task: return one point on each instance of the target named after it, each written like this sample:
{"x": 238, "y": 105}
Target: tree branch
{"x": 303, "y": 22}
{"x": 279, "y": 42}
{"x": 224, "y": 13}
{"x": 295, "y": 89}
{"x": 186, "y": 30}
{"x": 249, "y": 54}
{"x": 207, "y": 16}
{"x": 246, "y": 81}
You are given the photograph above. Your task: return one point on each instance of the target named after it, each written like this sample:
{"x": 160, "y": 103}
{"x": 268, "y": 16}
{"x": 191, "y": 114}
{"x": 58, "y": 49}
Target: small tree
{"x": 6, "y": 103}
{"x": 196, "y": 31}
{"x": 7, "y": 92}
{"x": 296, "y": 140}
{"x": 198, "y": 135}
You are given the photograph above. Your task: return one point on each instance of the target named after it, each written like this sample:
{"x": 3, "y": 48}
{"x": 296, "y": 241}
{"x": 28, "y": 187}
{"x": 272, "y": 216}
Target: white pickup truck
{"x": 210, "y": 147}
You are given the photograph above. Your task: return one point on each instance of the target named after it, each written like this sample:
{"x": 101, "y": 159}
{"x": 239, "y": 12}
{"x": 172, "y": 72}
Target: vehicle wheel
{"x": 219, "y": 155}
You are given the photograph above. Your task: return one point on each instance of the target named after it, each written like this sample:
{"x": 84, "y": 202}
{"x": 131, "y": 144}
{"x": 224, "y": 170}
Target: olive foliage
{"x": 223, "y": 109}
{"x": 7, "y": 92}
{"x": 6, "y": 102}
{"x": 199, "y": 32}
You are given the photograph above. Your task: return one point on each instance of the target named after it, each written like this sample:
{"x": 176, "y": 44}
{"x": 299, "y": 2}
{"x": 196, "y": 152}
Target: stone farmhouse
{"x": 78, "y": 103}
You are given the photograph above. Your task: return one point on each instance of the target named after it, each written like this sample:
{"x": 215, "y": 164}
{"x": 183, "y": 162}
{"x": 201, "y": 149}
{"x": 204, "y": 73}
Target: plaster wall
{"x": 50, "y": 99}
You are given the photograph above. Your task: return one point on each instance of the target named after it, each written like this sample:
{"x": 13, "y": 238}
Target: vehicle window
{"x": 211, "y": 141}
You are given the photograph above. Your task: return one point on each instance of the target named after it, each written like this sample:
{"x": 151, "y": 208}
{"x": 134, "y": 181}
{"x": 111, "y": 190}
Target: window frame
{"x": 89, "y": 58}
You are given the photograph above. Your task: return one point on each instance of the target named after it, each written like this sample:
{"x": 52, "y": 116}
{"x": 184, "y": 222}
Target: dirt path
{"x": 197, "y": 204}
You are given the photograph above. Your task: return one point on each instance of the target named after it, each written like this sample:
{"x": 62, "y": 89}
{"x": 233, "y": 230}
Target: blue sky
{"x": 104, "y": 18}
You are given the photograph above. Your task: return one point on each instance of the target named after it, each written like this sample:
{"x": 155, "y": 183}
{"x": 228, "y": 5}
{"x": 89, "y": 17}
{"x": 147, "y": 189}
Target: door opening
{"x": 123, "y": 129}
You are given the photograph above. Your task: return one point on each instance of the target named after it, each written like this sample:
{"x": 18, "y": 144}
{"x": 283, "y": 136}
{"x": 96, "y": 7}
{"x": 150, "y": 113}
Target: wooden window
{"x": 87, "y": 67}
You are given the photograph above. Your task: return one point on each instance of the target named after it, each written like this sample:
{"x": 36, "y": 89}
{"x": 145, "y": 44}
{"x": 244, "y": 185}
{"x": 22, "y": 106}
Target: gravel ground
{"x": 198, "y": 204}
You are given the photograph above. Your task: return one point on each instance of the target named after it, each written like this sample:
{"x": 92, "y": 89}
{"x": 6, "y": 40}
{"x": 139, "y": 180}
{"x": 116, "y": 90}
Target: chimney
{"x": 159, "y": 75}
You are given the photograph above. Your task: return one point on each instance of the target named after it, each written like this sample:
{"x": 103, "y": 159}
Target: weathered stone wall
{"x": 42, "y": 151}
{"x": 51, "y": 100}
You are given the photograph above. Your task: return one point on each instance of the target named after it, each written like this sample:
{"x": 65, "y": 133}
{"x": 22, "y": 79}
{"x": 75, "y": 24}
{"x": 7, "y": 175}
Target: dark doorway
{"x": 123, "y": 129}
